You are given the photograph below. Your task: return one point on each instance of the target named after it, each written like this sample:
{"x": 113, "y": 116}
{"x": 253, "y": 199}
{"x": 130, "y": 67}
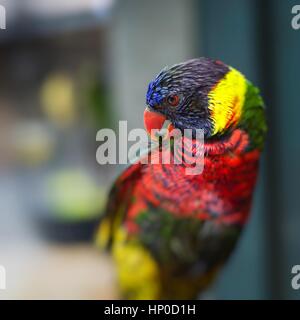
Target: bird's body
{"x": 170, "y": 232}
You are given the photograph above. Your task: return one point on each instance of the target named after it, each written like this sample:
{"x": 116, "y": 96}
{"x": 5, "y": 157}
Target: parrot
{"x": 169, "y": 233}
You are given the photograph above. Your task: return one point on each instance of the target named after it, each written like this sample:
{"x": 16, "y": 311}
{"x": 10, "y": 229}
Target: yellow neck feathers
{"x": 226, "y": 100}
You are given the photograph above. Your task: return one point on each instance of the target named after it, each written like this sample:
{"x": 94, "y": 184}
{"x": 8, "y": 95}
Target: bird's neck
{"x": 234, "y": 143}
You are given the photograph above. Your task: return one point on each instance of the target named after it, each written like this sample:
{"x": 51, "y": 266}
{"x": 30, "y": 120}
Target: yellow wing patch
{"x": 138, "y": 273}
{"x": 226, "y": 100}
{"x": 103, "y": 234}
{"x": 107, "y": 228}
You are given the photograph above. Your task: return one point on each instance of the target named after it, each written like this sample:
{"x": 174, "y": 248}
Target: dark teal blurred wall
{"x": 257, "y": 38}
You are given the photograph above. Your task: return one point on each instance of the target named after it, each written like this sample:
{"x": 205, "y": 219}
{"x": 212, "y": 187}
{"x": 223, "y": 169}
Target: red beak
{"x": 153, "y": 120}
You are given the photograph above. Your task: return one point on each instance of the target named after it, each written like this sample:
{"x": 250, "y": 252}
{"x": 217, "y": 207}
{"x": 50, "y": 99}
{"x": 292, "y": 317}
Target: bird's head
{"x": 196, "y": 94}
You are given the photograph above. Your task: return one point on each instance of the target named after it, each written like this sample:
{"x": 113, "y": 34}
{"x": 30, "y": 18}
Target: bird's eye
{"x": 173, "y": 100}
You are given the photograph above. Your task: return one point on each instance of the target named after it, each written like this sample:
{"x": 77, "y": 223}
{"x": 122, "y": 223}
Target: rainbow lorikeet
{"x": 170, "y": 233}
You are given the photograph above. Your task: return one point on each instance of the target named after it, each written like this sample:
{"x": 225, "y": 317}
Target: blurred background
{"x": 70, "y": 68}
